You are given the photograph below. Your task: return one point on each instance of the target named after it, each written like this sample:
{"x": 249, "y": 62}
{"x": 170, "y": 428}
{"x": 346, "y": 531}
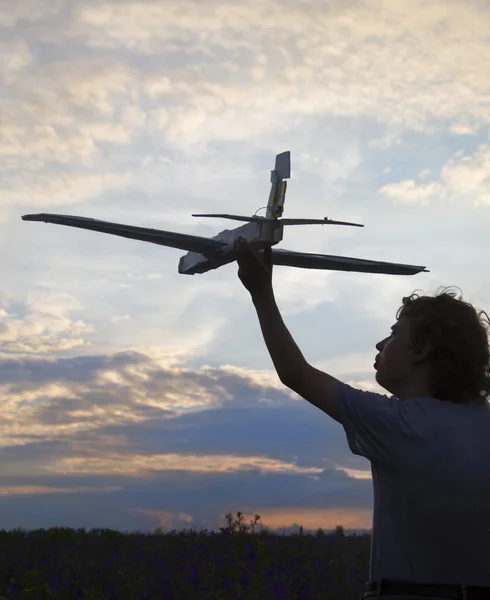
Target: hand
{"x": 254, "y": 267}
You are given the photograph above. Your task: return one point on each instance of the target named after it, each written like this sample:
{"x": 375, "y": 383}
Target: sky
{"x": 134, "y": 397}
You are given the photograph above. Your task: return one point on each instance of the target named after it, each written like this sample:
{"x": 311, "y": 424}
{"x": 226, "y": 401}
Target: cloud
{"x": 468, "y": 177}
{"x": 34, "y": 490}
{"x": 114, "y": 424}
{"x": 109, "y": 132}
{"x": 29, "y": 10}
{"x": 462, "y": 129}
{"x": 140, "y": 466}
{"x": 387, "y": 141}
{"x": 94, "y": 391}
{"x": 61, "y": 189}
{"x": 114, "y": 116}
{"x": 410, "y": 192}
{"x": 120, "y": 396}
{"x": 371, "y": 61}
{"x": 41, "y": 324}
{"x": 299, "y": 291}
{"x": 94, "y": 84}
{"x": 463, "y": 178}
{"x": 119, "y": 318}
{"x": 14, "y": 57}
{"x": 43, "y": 143}
{"x": 362, "y": 60}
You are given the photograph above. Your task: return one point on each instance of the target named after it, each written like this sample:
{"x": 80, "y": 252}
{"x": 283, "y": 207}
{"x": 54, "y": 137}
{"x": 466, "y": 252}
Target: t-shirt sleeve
{"x": 375, "y": 424}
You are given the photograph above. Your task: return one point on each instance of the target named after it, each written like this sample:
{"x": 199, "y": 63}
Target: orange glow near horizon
{"x": 314, "y": 518}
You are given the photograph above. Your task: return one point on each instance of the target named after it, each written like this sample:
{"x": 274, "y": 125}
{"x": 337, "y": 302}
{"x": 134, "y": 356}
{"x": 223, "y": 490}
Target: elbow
{"x": 292, "y": 378}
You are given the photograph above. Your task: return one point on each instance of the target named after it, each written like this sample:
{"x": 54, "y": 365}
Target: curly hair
{"x": 458, "y": 339}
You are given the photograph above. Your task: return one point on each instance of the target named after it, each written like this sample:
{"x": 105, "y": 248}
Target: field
{"x": 236, "y": 563}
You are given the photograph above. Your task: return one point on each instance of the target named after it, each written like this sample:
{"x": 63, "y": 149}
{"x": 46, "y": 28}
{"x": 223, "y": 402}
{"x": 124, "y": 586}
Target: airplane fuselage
{"x": 261, "y": 234}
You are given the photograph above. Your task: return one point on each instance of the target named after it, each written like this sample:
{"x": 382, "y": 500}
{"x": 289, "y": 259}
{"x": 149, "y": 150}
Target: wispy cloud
{"x": 42, "y": 323}
{"x": 464, "y": 178}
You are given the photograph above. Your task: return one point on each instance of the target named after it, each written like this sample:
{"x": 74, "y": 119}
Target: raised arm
{"x": 255, "y": 273}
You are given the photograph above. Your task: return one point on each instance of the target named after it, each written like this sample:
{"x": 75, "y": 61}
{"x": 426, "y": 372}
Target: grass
{"x": 236, "y": 563}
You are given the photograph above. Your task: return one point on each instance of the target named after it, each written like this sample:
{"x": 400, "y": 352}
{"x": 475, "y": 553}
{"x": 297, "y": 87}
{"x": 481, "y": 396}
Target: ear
{"x": 419, "y": 343}
{"x": 421, "y": 351}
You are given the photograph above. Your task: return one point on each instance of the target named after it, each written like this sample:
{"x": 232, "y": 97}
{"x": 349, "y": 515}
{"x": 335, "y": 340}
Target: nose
{"x": 380, "y": 345}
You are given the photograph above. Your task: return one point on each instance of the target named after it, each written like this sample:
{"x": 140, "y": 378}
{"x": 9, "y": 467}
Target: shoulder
{"x": 376, "y": 425}
{"x": 353, "y": 399}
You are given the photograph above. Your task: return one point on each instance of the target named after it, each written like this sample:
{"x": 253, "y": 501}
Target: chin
{"x": 379, "y": 379}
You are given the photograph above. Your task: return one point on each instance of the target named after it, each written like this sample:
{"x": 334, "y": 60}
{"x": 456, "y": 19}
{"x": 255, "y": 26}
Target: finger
{"x": 248, "y": 252}
{"x": 240, "y": 246}
{"x": 256, "y": 255}
{"x": 243, "y": 257}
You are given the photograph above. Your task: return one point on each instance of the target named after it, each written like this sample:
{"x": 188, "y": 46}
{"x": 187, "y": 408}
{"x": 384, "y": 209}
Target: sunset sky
{"x": 134, "y": 397}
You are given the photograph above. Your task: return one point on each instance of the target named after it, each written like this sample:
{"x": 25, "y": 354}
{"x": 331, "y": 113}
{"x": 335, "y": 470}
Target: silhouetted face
{"x": 395, "y": 361}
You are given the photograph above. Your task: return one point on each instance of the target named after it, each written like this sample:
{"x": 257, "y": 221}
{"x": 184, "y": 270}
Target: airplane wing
{"x": 303, "y": 260}
{"x": 192, "y": 243}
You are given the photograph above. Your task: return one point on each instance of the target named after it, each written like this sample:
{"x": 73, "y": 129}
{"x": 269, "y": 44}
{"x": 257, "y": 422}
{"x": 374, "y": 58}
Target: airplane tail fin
{"x": 282, "y": 171}
{"x": 275, "y": 206}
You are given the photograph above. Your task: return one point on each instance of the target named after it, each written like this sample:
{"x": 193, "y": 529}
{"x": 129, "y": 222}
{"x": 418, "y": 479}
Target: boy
{"x": 428, "y": 443}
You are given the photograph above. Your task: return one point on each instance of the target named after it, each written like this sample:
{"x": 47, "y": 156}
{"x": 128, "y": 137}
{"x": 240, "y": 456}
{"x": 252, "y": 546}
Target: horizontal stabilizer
{"x": 235, "y": 218}
{"x": 254, "y": 219}
{"x": 316, "y": 221}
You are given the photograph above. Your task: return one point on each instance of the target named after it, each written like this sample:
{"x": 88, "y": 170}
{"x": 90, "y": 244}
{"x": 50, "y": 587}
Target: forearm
{"x": 284, "y": 352}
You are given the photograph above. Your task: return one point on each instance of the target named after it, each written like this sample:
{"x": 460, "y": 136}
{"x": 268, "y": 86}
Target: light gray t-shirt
{"x": 430, "y": 462}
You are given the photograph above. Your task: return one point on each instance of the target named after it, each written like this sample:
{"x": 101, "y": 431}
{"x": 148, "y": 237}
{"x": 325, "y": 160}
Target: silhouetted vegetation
{"x": 235, "y": 563}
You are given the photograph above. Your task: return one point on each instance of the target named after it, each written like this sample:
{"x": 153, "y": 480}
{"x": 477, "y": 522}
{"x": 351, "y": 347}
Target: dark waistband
{"x": 451, "y": 592}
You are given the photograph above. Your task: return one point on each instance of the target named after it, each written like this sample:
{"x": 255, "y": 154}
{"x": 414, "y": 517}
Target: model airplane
{"x": 204, "y": 254}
